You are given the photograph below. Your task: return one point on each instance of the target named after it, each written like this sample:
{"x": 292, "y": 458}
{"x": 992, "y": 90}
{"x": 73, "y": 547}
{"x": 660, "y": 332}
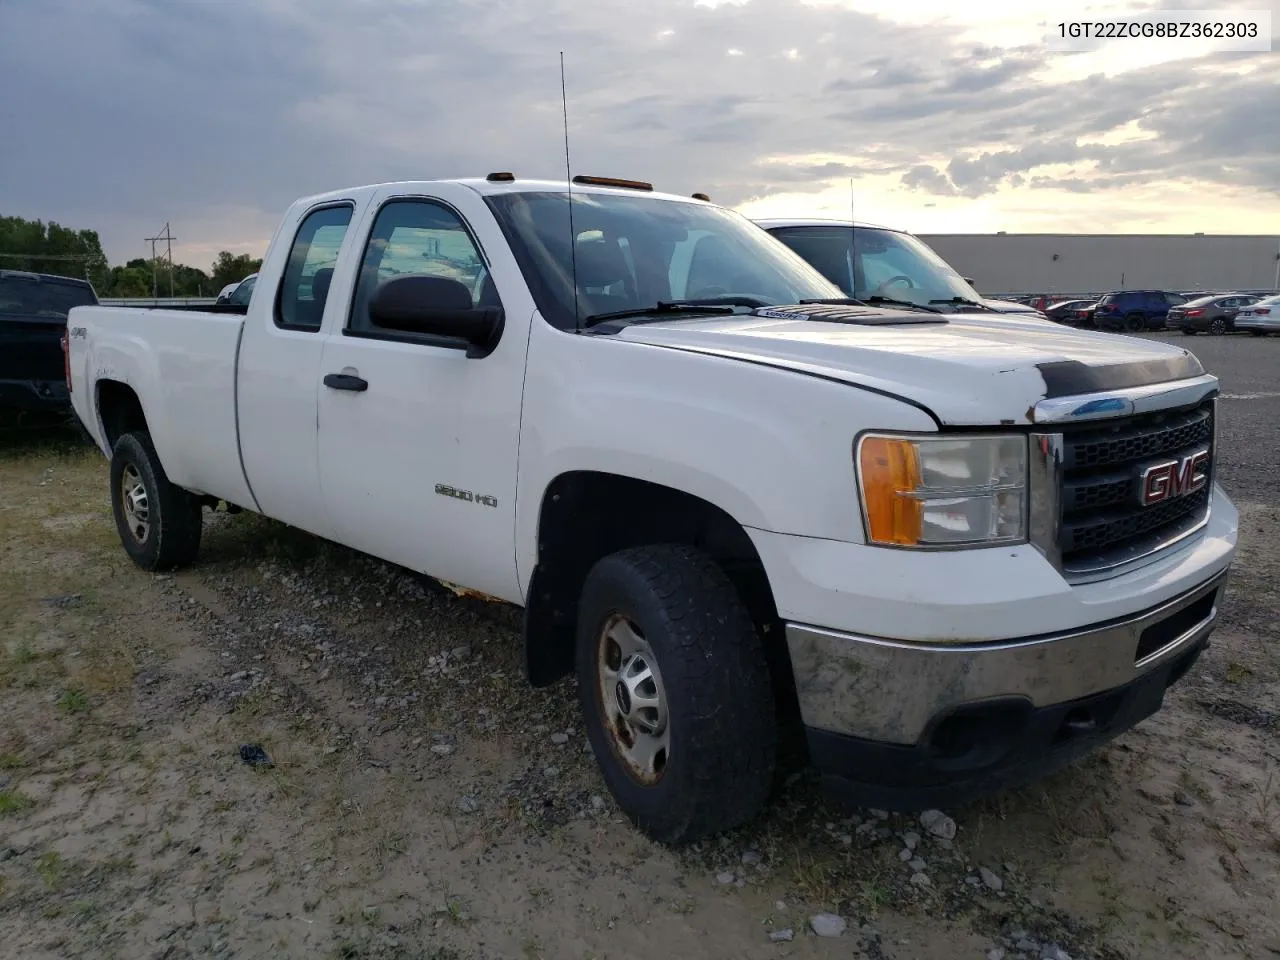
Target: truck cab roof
{"x": 490, "y": 187}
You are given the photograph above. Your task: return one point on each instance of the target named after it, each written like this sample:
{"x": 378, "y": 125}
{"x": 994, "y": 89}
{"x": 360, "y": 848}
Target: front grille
{"x": 1103, "y": 521}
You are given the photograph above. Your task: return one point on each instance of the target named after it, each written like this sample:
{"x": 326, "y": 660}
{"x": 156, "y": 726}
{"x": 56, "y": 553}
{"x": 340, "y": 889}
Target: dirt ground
{"x": 424, "y": 803}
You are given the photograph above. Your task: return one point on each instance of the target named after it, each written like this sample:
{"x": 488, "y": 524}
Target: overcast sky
{"x": 118, "y": 115}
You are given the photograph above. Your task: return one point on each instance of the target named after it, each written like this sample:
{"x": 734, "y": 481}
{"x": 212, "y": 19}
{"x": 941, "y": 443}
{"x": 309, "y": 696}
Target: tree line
{"x": 40, "y": 247}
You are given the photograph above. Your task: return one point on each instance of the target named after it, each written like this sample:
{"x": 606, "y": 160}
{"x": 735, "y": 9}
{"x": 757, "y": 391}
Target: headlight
{"x": 943, "y": 491}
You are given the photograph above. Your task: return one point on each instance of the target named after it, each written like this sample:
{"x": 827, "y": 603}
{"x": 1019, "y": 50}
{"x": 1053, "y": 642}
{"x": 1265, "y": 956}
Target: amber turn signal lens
{"x": 890, "y": 471}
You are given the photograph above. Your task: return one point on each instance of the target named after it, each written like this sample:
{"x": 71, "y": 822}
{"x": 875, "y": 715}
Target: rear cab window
{"x": 29, "y": 296}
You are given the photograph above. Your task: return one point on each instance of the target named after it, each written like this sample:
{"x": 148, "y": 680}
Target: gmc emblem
{"x": 1176, "y": 478}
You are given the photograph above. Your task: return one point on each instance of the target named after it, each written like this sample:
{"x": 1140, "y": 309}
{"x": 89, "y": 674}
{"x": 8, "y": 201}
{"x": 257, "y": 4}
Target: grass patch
{"x": 73, "y": 700}
{"x": 13, "y": 803}
{"x": 52, "y": 869}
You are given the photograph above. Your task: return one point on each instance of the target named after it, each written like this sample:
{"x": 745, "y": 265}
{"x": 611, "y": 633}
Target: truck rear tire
{"x": 159, "y": 523}
{"x": 675, "y": 692}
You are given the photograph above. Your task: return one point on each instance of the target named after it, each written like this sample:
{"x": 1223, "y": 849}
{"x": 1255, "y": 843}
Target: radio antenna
{"x": 568, "y": 178}
{"x": 853, "y": 250}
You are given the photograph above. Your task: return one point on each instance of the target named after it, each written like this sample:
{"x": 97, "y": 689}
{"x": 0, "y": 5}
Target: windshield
{"x": 632, "y": 252}
{"x": 241, "y": 294}
{"x": 34, "y": 297}
{"x": 885, "y": 263}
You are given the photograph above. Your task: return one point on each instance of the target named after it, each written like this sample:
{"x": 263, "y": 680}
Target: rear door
{"x": 279, "y": 363}
{"x": 418, "y": 443}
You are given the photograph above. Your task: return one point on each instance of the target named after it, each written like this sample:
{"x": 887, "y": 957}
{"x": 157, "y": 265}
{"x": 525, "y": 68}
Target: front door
{"x": 418, "y": 443}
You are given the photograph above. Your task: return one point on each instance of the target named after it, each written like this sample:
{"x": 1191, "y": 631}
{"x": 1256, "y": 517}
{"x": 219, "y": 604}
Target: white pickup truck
{"x": 956, "y": 550}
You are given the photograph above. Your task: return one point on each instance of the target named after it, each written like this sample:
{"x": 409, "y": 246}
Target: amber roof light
{"x": 701, "y": 196}
{"x": 501, "y": 177}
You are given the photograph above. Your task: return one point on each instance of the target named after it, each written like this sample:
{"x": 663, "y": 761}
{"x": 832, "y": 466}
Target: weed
{"x": 73, "y": 700}
{"x": 1236, "y": 672}
{"x": 11, "y": 761}
{"x": 13, "y": 803}
{"x": 52, "y": 869}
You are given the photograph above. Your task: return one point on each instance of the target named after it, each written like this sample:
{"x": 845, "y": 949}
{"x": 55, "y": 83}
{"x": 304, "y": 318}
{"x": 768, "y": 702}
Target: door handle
{"x": 345, "y": 381}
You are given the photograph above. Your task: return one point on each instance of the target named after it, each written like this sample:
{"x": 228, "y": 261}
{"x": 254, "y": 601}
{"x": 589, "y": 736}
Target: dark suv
{"x": 1135, "y": 310}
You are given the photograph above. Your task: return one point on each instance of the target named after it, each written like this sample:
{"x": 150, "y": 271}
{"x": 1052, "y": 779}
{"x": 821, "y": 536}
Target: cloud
{"x": 121, "y": 116}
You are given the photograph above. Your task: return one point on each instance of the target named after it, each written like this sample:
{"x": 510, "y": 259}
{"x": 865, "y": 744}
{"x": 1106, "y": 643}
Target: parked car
{"x": 881, "y": 265}
{"x": 957, "y": 550}
{"x": 33, "y": 319}
{"x": 1212, "y": 314}
{"x": 1261, "y": 317}
{"x": 1134, "y": 310}
{"x": 1083, "y": 316}
{"x": 238, "y": 294}
{"x": 1065, "y": 311}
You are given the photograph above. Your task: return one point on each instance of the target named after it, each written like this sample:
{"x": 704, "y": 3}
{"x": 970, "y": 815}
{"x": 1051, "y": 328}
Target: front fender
{"x": 772, "y": 448}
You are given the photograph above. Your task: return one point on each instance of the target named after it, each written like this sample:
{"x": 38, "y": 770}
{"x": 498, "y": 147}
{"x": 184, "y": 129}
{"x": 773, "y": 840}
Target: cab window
{"x": 304, "y": 288}
{"x": 418, "y": 238}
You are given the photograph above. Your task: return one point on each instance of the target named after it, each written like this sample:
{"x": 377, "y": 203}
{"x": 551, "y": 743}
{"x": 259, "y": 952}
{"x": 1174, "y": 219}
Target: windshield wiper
{"x": 710, "y": 305}
{"x": 957, "y": 301}
{"x": 875, "y": 301}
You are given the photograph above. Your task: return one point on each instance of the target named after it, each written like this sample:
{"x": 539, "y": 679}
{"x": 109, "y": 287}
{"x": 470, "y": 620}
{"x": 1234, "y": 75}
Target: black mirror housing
{"x": 437, "y": 306}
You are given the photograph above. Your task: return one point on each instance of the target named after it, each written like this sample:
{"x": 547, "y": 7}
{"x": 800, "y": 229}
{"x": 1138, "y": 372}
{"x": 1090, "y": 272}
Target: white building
{"x": 1096, "y": 263}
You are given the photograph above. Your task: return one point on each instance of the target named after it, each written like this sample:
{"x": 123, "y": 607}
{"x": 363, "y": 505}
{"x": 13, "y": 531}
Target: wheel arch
{"x": 588, "y": 514}
{"x": 119, "y": 409}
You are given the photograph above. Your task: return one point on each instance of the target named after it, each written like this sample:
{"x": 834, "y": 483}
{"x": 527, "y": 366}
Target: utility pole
{"x": 155, "y": 279}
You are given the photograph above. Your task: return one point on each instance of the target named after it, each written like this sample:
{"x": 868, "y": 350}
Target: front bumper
{"x": 910, "y": 725}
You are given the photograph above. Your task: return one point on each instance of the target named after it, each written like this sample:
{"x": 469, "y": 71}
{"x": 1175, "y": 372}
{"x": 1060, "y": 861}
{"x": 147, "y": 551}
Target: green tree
{"x": 52, "y": 248}
{"x": 232, "y": 268}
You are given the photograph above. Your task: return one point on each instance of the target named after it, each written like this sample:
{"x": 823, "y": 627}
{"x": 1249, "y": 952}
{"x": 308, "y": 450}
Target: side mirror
{"x": 969, "y": 280}
{"x": 439, "y": 307}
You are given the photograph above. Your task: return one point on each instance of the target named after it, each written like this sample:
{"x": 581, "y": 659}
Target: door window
{"x": 304, "y": 289}
{"x": 418, "y": 238}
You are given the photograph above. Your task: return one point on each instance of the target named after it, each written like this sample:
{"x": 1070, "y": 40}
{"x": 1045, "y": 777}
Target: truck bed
{"x": 182, "y": 366}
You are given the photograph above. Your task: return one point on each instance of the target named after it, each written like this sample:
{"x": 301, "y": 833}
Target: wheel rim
{"x": 632, "y": 699}
{"x": 136, "y": 503}
{"x": 1218, "y": 326}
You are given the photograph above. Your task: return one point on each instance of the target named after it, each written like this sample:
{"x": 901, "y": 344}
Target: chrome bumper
{"x": 890, "y": 691}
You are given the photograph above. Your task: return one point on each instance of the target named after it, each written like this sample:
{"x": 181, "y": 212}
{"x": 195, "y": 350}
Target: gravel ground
{"x": 413, "y": 798}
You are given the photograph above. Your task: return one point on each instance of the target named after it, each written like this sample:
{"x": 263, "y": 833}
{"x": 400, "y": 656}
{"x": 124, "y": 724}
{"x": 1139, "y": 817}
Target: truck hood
{"x": 967, "y": 370}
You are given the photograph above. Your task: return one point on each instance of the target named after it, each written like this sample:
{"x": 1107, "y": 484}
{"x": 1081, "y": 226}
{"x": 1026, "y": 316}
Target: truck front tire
{"x": 675, "y": 692}
{"x": 159, "y": 524}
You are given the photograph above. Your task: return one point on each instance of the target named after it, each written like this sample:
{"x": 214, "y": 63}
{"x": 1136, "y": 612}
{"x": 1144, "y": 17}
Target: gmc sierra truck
{"x": 958, "y": 550}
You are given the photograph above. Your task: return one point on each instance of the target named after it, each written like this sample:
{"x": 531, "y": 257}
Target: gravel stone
{"x": 1183, "y": 799}
{"x": 921, "y": 880}
{"x": 1054, "y": 952}
{"x": 752, "y": 858}
{"x": 725, "y": 877}
{"x": 782, "y": 936}
{"x": 911, "y": 839}
{"x": 917, "y": 864}
{"x": 905, "y": 854}
{"x": 468, "y": 805}
{"x": 996, "y": 954}
{"x": 444, "y": 749}
{"x": 938, "y": 824}
{"x": 827, "y": 925}
{"x": 991, "y": 880}
{"x": 560, "y": 738}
